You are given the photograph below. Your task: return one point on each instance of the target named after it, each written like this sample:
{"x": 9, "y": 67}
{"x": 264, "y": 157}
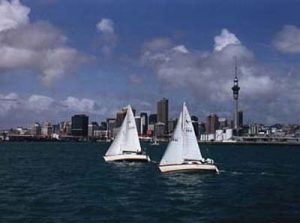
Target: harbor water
{"x": 70, "y": 182}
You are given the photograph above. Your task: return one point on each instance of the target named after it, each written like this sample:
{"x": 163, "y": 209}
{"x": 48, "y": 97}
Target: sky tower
{"x": 235, "y": 90}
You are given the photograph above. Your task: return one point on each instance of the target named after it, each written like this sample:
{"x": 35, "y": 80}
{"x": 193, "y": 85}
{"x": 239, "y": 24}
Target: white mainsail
{"x": 183, "y": 145}
{"x": 127, "y": 139}
{"x": 191, "y": 149}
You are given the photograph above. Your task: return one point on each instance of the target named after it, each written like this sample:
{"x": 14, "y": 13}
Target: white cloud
{"x": 39, "y": 47}
{"x": 12, "y": 14}
{"x": 180, "y": 49}
{"x": 224, "y": 39}
{"x": 39, "y": 103}
{"x": 288, "y": 40}
{"x": 208, "y": 76}
{"x": 8, "y": 103}
{"x": 105, "y": 26}
{"x": 108, "y": 37}
{"x": 80, "y": 105}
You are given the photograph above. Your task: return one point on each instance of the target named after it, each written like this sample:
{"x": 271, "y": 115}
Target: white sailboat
{"x": 183, "y": 152}
{"x": 126, "y": 146}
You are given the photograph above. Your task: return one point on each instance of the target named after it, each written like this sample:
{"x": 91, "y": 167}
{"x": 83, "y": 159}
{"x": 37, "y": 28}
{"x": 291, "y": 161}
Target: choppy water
{"x": 69, "y": 182}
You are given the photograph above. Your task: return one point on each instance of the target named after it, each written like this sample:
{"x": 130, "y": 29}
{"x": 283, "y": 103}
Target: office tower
{"x": 111, "y": 123}
{"x": 47, "y": 129}
{"x": 93, "y": 126}
{"x": 212, "y": 123}
{"x": 172, "y": 125}
{"x": 120, "y": 117}
{"x": 152, "y": 118}
{"x": 36, "y": 129}
{"x": 144, "y": 123}
{"x": 138, "y": 122}
{"x": 103, "y": 126}
{"x": 163, "y": 113}
{"x": 195, "y": 124}
{"x": 223, "y": 123}
{"x": 235, "y": 91}
{"x": 80, "y": 125}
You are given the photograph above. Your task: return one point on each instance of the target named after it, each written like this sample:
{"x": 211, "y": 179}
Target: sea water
{"x": 70, "y": 182}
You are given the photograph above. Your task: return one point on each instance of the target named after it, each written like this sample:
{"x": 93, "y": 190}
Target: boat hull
{"x": 209, "y": 168}
{"x": 127, "y": 157}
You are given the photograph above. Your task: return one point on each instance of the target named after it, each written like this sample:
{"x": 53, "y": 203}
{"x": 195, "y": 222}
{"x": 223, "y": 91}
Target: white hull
{"x": 188, "y": 168}
{"x": 127, "y": 157}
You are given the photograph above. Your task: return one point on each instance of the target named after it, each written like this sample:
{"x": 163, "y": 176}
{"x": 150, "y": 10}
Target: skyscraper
{"x": 235, "y": 91}
{"x": 80, "y": 125}
{"x": 163, "y": 113}
{"x": 195, "y": 124}
{"x": 144, "y": 122}
{"x": 212, "y": 123}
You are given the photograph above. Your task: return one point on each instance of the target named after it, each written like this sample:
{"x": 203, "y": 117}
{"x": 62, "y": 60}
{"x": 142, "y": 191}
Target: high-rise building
{"x": 223, "y": 123}
{"x": 163, "y": 113}
{"x": 212, "y": 124}
{"x": 80, "y": 125}
{"x": 120, "y": 118}
{"x": 138, "y": 122}
{"x": 111, "y": 123}
{"x": 36, "y": 129}
{"x": 235, "y": 91}
{"x": 152, "y": 119}
{"x": 144, "y": 122}
{"x": 47, "y": 129}
{"x": 195, "y": 124}
{"x": 93, "y": 126}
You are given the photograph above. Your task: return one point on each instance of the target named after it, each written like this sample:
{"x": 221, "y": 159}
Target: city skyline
{"x": 106, "y": 54}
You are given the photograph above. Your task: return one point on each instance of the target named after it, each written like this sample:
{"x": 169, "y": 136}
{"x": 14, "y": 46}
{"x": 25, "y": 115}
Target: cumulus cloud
{"x": 224, "y": 39}
{"x": 207, "y": 76}
{"x": 26, "y": 110}
{"x": 108, "y": 37}
{"x": 13, "y": 14}
{"x": 39, "y": 46}
{"x": 288, "y": 40}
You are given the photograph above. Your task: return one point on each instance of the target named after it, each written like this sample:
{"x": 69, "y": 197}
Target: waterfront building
{"x": 202, "y": 129}
{"x": 160, "y": 130}
{"x": 163, "y": 113}
{"x": 223, "y": 123}
{"x": 36, "y": 129}
{"x": 120, "y": 117}
{"x": 144, "y": 123}
{"x": 56, "y": 129}
{"x": 93, "y": 126}
{"x": 212, "y": 123}
{"x": 47, "y": 129}
{"x": 111, "y": 123}
{"x": 195, "y": 125}
{"x": 172, "y": 125}
{"x": 103, "y": 126}
{"x": 80, "y": 125}
{"x": 152, "y": 118}
{"x": 138, "y": 123}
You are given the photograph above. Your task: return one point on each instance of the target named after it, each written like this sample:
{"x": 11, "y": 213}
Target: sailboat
{"x": 126, "y": 146}
{"x": 183, "y": 152}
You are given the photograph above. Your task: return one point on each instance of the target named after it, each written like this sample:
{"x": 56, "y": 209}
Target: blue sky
{"x": 60, "y": 58}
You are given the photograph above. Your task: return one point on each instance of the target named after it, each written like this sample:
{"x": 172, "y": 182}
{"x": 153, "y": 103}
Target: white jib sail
{"x": 131, "y": 141}
{"x": 191, "y": 149}
{"x": 183, "y": 145}
{"x": 173, "y": 153}
{"x": 127, "y": 139}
